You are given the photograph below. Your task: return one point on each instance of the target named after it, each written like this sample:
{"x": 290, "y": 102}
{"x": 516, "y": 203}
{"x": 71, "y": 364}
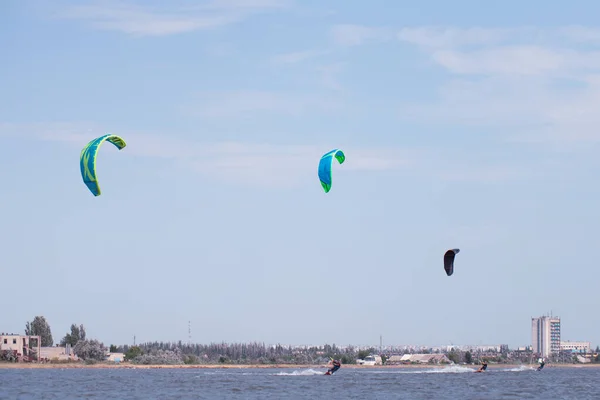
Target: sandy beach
{"x": 126, "y": 365}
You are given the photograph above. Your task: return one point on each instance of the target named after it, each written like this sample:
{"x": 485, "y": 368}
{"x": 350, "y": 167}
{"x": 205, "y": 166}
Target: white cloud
{"x": 533, "y": 81}
{"x": 329, "y": 75}
{"x": 510, "y": 51}
{"x": 279, "y": 165}
{"x": 486, "y": 174}
{"x": 354, "y": 35}
{"x": 140, "y": 20}
{"x": 238, "y": 103}
{"x": 240, "y": 162}
{"x": 581, "y": 34}
{"x": 297, "y": 56}
{"x": 287, "y": 165}
{"x": 449, "y": 37}
{"x": 68, "y": 132}
{"x": 520, "y": 60}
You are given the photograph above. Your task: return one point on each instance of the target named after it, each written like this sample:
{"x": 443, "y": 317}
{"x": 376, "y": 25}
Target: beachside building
{"x": 57, "y": 353}
{"x": 576, "y": 347}
{"x": 115, "y": 357}
{"x": 419, "y": 358}
{"x": 545, "y": 335}
{"x": 19, "y": 345}
{"x": 583, "y": 360}
{"x": 370, "y": 360}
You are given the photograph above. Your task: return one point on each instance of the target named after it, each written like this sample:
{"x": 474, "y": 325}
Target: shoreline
{"x": 126, "y": 365}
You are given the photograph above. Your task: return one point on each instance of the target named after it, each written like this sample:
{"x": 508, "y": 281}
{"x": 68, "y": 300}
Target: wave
{"x": 453, "y": 369}
{"x": 304, "y": 372}
{"x": 519, "y": 369}
{"x": 456, "y": 369}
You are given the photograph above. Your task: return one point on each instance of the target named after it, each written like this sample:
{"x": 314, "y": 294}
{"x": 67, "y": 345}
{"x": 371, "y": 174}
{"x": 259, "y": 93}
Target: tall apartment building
{"x": 545, "y": 335}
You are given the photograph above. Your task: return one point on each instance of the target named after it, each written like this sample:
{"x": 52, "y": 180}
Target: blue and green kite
{"x": 325, "y": 167}
{"x": 87, "y": 162}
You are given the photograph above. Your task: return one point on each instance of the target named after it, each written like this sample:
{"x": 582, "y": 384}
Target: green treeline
{"x": 237, "y": 353}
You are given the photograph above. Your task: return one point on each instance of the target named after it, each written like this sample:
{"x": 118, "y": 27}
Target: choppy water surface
{"x": 382, "y": 383}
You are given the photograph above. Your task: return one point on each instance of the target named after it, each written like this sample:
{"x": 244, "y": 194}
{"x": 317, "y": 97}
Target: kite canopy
{"x": 325, "y": 167}
{"x": 87, "y": 161}
{"x": 449, "y": 261}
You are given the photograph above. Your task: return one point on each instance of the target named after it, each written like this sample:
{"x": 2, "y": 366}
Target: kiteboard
{"x": 327, "y": 373}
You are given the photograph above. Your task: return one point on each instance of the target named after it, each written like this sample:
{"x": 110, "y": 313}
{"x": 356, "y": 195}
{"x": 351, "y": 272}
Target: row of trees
{"x": 236, "y": 353}
{"x": 40, "y": 327}
{"x": 232, "y": 353}
{"x": 76, "y": 338}
{"x": 180, "y": 353}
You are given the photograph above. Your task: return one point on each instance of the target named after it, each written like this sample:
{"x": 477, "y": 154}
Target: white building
{"x": 57, "y": 353}
{"x": 545, "y": 335}
{"x": 420, "y": 358}
{"x": 19, "y": 345}
{"x": 576, "y": 347}
{"x": 115, "y": 357}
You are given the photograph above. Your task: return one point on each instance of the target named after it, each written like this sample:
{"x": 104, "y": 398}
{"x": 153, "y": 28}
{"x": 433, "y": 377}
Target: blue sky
{"x": 463, "y": 126}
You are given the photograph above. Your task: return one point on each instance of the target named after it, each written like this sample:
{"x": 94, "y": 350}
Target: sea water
{"x": 454, "y": 382}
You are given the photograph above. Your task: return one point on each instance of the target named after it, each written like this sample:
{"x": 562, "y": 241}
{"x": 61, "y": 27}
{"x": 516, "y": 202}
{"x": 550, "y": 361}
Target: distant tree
{"x": 190, "y": 359}
{"x": 133, "y": 352}
{"x": 383, "y": 359}
{"x": 160, "y": 357}
{"x": 90, "y": 350}
{"x": 77, "y": 334}
{"x": 454, "y": 357}
{"x": 40, "y": 327}
{"x": 363, "y": 353}
{"x": 468, "y": 357}
{"x": 113, "y": 349}
{"x": 345, "y": 359}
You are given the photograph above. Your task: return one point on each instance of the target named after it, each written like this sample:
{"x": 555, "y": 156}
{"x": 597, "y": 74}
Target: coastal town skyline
{"x": 543, "y": 340}
{"x": 38, "y": 345}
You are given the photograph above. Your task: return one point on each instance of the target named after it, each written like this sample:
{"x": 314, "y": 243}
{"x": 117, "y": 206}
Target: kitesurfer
{"x": 483, "y": 366}
{"x": 336, "y": 366}
{"x": 542, "y": 363}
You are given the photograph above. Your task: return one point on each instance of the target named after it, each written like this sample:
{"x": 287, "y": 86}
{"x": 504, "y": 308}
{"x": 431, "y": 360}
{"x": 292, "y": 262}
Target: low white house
{"x": 420, "y": 358}
{"x": 115, "y": 357}
{"x": 370, "y": 360}
{"x": 58, "y": 353}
